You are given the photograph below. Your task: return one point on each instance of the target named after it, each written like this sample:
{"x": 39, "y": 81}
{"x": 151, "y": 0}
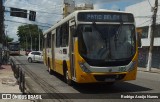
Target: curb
{"x": 158, "y": 72}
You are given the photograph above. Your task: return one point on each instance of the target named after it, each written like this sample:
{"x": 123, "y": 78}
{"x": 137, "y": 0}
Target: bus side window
{"x": 62, "y": 35}
{"x": 49, "y": 40}
{"x": 65, "y": 34}
{"x": 58, "y": 37}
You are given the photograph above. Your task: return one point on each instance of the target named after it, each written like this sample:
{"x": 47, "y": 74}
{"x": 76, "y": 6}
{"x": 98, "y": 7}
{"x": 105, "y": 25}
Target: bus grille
{"x": 104, "y": 77}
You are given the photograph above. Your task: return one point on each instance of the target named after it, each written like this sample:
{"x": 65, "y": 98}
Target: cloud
{"x": 115, "y": 7}
{"x": 48, "y": 12}
{"x": 109, "y": 1}
{"x": 46, "y": 15}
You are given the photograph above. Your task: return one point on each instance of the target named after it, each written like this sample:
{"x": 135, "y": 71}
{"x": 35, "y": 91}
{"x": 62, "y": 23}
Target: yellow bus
{"x": 90, "y": 46}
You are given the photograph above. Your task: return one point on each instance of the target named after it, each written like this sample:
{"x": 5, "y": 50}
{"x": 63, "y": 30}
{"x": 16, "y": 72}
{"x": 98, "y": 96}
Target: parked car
{"x": 27, "y": 52}
{"x": 35, "y": 56}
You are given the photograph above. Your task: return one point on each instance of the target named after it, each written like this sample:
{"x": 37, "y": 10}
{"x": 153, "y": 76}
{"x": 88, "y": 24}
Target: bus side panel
{"x": 81, "y": 77}
{"x": 58, "y": 61}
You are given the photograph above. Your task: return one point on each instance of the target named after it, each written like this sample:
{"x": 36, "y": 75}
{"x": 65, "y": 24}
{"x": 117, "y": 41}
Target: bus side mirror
{"x": 139, "y": 40}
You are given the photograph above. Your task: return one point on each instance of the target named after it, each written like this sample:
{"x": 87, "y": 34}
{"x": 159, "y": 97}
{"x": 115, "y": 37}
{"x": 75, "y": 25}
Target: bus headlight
{"x": 131, "y": 66}
{"x": 84, "y": 68}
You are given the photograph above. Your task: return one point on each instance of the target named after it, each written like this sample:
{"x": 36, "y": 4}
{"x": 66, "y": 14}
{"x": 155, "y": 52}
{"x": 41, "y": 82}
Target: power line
{"x": 149, "y": 3}
{"x": 28, "y": 23}
{"x": 37, "y": 11}
{"x": 144, "y": 22}
{"x": 39, "y": 5}
{"x": 55, "y": 6}
{"x": 142, "y": 16}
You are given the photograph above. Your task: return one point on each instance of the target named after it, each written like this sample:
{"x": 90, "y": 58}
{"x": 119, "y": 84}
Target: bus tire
{"x": 66, "y": 74}
{"x": 49, "y": 68}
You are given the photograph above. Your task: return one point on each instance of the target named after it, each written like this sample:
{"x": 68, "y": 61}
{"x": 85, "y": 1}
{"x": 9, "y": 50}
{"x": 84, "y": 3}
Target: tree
{"x": 8, "y": 39}
{"x": 29, "y": 33}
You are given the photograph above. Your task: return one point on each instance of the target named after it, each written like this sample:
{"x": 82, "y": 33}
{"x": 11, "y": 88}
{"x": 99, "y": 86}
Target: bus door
{"x": 71, "y": 48}
{"x": 45, "y": 50}
{"x": 52, "y": 49}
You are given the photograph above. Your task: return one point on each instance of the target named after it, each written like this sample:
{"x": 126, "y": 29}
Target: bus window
{"x": 58, "y": 37}
{"x": 62, "y": 35}
{"x": 49, "y": 40}
{"x": 65, "y": 34}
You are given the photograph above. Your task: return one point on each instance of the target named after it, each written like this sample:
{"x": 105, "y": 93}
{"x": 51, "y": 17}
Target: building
{"x": 69, "y": 7}
{"x": 84, "y": 6}
{"x": 143, "y": 17}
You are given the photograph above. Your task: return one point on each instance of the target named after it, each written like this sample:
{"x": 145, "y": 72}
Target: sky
{"x": 48, "y": 12}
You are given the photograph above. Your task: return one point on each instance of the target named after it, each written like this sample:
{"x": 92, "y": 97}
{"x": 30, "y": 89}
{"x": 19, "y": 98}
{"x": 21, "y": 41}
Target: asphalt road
{"x": 146, "y": 84}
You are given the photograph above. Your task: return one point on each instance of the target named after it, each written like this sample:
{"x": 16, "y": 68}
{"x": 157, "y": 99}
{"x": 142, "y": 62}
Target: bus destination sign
{"x": 105, "y": 17}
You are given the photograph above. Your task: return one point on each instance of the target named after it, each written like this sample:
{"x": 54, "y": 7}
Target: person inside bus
{"x": 121, "y": 46}
{"x": 94, "y": 43}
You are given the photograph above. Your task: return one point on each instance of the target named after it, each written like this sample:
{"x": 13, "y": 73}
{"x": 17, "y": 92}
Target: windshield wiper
{"x": 117, "y": 33}
{"x": 99, "y": 32}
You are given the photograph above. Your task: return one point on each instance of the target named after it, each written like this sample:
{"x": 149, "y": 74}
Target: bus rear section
{"x": 14, "y": 48}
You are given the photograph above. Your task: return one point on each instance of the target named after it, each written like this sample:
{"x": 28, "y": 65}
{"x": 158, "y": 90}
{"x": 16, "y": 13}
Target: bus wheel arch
{"x": 66, "y": 73}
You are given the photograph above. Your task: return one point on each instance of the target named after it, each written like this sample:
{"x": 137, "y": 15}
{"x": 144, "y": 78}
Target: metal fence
{"x": 19, "y": 74}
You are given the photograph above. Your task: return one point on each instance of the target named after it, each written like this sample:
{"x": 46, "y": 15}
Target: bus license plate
{"x": 109, "y": 79}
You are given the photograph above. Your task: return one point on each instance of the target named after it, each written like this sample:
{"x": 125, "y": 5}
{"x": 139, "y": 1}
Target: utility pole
{"x": 39, "y": 39}
{"x": 1, "y": 28}
{"x": 31, "y": 37}
{"x": 153, "y": 28}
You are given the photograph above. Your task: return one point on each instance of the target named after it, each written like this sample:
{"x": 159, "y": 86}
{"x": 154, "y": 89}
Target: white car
{"x": 35, "y": 56}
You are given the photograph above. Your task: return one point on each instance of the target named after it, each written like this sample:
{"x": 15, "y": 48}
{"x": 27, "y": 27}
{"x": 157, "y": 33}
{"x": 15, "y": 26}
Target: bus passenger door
{"x": 52, "y": 50}
{"x": 71, "y": 49}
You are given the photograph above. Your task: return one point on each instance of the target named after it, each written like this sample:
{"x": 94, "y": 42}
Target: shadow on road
{"x": 103, "y": 88}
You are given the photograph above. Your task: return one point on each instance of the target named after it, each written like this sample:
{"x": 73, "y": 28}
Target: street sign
{"x": 18, "y": 12}
{"x": 32, "y": 16}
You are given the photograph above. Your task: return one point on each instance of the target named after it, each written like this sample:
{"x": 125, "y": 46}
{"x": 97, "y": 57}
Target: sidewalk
{"x": 8, "y": 83}
{"x": 153, "y": 70}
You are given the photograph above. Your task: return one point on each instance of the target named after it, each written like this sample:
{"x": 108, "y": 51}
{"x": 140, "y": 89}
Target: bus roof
{"x": 72, "y": 15}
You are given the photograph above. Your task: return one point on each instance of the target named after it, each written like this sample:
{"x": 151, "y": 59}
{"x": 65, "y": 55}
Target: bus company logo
{"x": 6, "y": 96}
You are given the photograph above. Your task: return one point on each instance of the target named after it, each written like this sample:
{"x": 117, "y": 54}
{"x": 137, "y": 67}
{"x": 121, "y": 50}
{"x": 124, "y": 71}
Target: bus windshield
{"x": 107, "y": 42}
{"x": 14, "y": 47}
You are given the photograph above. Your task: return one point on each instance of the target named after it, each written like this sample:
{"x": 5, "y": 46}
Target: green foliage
{"x": 29, "y": 32}
{"x": 8, "y": 39}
